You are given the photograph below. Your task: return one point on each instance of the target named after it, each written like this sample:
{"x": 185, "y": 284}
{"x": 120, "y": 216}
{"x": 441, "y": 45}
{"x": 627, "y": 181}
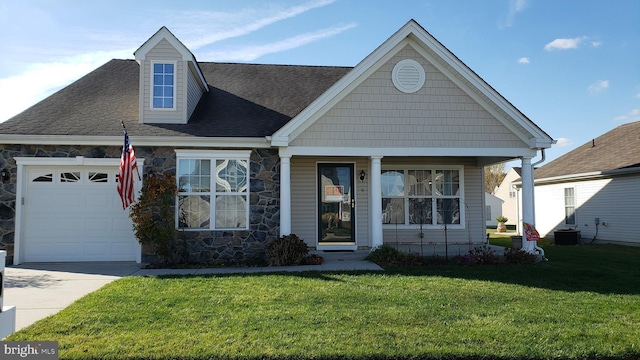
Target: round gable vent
{"x": 408, "y": 76}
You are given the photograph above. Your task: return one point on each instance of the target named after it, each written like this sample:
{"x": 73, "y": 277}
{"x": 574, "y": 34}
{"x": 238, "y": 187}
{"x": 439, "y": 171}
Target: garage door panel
{"x": 97, "y": 248}
{"x": 47, "y": 227}
{"x": 99, "y": 225}
{"x": 41, "y": 252}
{"x": 122, "y": 249}
{"x": 76, "y": 221}
{"x": 95, "y": 203}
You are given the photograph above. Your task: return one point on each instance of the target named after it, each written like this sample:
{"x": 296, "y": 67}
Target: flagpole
{"x": 124, "y": 129}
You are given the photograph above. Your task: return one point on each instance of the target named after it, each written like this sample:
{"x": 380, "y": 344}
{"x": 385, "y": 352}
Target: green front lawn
{"x": 583, "y": 303}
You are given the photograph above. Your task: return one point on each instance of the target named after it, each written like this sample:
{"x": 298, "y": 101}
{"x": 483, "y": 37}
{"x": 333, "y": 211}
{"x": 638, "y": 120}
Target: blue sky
{"x": 571, "y": 66}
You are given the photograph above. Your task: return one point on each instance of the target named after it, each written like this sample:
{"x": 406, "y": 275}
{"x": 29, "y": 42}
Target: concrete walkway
{"x": 41, "y": 290}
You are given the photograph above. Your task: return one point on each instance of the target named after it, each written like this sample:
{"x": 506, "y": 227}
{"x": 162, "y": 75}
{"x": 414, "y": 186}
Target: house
{"x": 344, "y": 157}
{"x": 493, "y": 209}
{"x": 508, "y": 193}
{"x": 594, "y": 189}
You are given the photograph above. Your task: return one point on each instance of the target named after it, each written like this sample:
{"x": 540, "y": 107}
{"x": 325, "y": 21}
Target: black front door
{"x": 336, "y": 205}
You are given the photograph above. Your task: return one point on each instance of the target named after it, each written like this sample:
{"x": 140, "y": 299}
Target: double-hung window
{"x": 213, "y": 190}
{"x": 569, "y": 206}
{"x": 163, "y": 86}
{"x": 428, "y": 196}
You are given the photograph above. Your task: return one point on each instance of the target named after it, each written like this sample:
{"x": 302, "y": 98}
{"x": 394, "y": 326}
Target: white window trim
{"x": 406, "y": 168}
{"x": 175, "y": 85}
{"x": 213, "y": 155}
{"x": 575, "y": 207}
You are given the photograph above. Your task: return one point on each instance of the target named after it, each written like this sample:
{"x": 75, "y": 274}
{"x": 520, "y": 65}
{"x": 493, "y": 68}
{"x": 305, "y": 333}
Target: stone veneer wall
{"x": 202, "y": 246}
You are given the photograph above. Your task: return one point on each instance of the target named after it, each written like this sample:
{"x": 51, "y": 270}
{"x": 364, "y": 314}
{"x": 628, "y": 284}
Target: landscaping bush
{"x": 312, "y": 259}
{"x": 153, "y": 215}
{"x": 387, "y": 255}
{"x": 287, "y": 250}
{"x": 519, "y": 256}
{"x": 481, "y": 255}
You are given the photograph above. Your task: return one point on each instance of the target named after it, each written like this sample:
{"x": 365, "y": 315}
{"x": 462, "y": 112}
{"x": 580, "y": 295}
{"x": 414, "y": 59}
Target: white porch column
{"x": 285, "y": 195}
{"x": 375, "y": 217}
{"x": 528, "y": 207}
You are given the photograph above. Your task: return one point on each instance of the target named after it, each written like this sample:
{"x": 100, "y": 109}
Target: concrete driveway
{"x": 40, "y": 290}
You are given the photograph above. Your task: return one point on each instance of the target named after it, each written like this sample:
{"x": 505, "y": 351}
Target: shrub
{"x": 153, "y": 215}
{"x": 386, "y": 255}
{"x": 519, "y": 256}
{"x": 481, "y": 255}
{"x": 287, "y": 250}
{"x": 312, "y": 259}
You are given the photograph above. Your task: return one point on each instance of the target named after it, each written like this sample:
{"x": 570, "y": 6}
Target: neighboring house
{"x": 346, "y": 158}
{"x": 493, "y": 209}
{"x": 594, "y": 189}
{"x": 509, "y": 194}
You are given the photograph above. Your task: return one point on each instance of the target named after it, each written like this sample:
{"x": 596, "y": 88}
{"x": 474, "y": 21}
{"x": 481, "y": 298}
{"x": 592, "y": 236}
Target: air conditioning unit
{"x": 566, "y": 237}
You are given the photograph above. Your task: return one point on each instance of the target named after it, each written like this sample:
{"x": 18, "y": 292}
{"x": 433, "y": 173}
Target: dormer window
{"x": 163, "y": 84}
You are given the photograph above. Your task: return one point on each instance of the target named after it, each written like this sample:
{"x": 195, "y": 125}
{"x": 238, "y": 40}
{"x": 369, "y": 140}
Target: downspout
{"x": 533, "y": 167}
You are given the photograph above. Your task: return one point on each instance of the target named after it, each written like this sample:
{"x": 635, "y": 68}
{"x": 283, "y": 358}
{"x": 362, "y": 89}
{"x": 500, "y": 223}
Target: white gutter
{"x": 171, "y": 141}
{"x": 583, "y": 176}
{"x": 533, "y": 167}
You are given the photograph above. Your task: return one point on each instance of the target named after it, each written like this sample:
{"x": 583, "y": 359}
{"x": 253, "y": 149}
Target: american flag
{"x": 125, "y": 177}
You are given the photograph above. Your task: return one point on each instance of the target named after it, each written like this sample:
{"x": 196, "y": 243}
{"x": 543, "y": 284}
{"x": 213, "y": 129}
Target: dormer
{"x": 171, "y": 82}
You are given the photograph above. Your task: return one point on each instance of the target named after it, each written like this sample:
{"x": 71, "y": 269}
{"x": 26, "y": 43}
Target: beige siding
{"x": 163, "y": 51}
{"x": 194, "y": 92}
{"x": 473, "y": 203}
{"x": 304, "y": 205}
{"x": 376, "y": 114}
{"x": 304, "y": 202}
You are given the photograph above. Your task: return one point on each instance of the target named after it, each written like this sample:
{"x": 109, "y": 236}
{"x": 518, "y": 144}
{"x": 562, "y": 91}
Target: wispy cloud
{"x": 251, "y": 53}
{"x": 515, "y": 7}
{"x": 523, "y": 60}
{"x": 196, "y": 29}
{"x": 564, "y": 44}
{"x": 598, "y": 86}
{"x": 49, "y": 77}
{"x": 230, "y": 25}
{"x": 571, "y": 43}
{"x": 596, "y": 44}
{"x": 631, "y": 116}
{"x": 564, "y": 142}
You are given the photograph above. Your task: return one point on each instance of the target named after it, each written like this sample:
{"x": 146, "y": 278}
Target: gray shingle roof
{"x": 245, "y": 100}
{"x": 616, "y": 149}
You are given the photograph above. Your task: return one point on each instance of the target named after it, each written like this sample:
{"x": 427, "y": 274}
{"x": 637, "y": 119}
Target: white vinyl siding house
{"x": 493, "y": 209}
{"x": 594, "y": 189}
{"x": 511, "y": 197}
{"x": 613, "y": 202}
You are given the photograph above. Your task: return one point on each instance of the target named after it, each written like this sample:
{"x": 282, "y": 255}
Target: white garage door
{"x": 74, "y": 213}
